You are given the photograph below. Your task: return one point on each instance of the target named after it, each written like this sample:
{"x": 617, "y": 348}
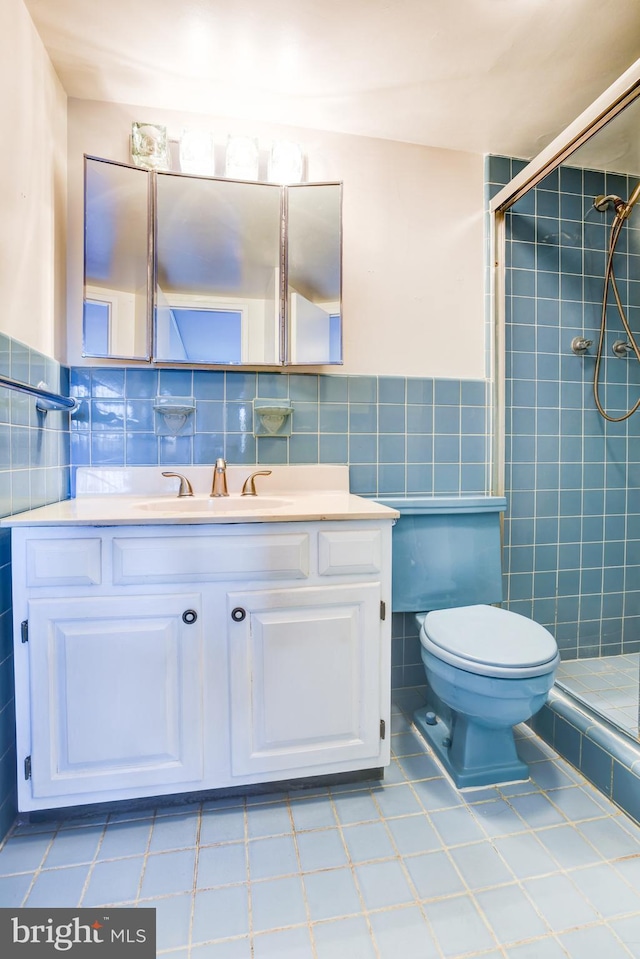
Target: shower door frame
{"x": 612, "y": 102}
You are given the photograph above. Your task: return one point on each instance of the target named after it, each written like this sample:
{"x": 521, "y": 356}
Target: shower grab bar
{"x": 45, "y": 399}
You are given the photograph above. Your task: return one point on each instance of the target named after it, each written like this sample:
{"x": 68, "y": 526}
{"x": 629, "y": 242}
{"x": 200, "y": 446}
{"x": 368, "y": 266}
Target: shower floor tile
{"x": 409, "y": 867}
{"x": 608, "y": 684}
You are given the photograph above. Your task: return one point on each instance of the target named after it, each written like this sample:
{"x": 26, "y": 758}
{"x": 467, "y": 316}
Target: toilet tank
{"x": 446, "y": 551}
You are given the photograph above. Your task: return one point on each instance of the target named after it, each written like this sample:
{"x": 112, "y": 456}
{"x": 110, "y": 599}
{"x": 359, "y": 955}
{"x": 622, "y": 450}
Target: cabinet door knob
{"x": 238, "y": 614}
{"x": 189, "y": 616}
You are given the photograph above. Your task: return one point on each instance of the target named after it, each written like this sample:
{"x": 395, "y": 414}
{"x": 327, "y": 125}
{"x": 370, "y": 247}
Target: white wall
{"x": 33, "y": 161}
{"x": 412, "y": 245}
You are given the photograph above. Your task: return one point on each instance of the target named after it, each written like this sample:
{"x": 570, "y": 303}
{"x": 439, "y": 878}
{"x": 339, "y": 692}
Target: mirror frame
{"x": 161, "y": 361}
{"x": 285, "y": 332}
{"x": 146, "y": 356}
{"x": 624, "y": 91}
{"x": 284, "y": 361}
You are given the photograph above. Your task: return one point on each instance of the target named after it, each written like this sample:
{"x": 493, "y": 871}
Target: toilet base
{"x": 473, "y": 755}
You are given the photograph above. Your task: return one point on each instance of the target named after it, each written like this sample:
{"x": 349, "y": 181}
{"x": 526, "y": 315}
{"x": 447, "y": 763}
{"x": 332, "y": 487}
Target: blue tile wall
{"x": 397, "y": 435}
{"x": 34, "y": 471}
{"x": 572, "y": 532}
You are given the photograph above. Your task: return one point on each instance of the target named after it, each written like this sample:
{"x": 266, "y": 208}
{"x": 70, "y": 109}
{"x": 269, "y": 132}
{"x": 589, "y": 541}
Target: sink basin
{"x": 217, "y": 504}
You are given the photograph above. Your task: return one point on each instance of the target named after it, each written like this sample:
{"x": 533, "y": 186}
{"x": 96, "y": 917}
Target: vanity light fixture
{"x": 197, "y": 152}
{"x": 243, "y": 158}
{"x": 286, "y": 162}
{"x": 196, "y": 148}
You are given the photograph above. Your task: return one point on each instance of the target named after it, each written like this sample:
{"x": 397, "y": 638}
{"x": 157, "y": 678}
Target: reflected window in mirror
{"x": 200, "y": 335}
{"x": 97, "y": 327}
{"x": 335, "y": 338}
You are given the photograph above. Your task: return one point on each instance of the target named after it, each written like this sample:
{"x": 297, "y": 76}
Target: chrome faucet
{"x": 219, "y": 487}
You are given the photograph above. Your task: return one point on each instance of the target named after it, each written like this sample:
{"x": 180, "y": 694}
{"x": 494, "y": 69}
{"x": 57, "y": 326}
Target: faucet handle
{"x": 249, "y": 488}
{"x": 185, "y": 488}
{"x": 221, "y": 463}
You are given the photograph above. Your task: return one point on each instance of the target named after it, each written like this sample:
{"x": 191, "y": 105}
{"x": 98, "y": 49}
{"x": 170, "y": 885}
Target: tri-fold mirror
{"x": 183, "y": 269}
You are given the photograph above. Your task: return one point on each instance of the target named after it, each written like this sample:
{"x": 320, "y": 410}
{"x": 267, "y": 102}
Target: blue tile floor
{"x": 411, "y": 869}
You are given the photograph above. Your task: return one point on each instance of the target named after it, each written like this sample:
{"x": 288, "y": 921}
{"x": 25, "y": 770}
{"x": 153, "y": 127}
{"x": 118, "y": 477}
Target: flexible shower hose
{"x": 610, "y": 281}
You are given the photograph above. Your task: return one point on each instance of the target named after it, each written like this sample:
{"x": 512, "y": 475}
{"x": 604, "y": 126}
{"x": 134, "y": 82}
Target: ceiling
{"x": 486, "y": 76}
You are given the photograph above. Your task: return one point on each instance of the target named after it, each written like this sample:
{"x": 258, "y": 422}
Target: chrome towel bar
{"x": 45, "y": 399}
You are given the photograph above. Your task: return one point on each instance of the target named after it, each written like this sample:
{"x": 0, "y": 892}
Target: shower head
{"x": 602, "y": 203}
{"x": 623, "y": 210}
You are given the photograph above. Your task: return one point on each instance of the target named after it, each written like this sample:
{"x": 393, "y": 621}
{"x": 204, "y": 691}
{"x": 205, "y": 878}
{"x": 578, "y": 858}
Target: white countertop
{"x": 139, "y": 510}
{"x": 142, "y": 496}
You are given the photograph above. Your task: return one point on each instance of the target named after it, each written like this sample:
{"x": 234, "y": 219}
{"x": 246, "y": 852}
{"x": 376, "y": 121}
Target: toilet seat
{"x": 489, "y": 641}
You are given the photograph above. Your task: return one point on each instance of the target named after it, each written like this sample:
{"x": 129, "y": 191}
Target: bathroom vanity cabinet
{"x": 160, "y": 659}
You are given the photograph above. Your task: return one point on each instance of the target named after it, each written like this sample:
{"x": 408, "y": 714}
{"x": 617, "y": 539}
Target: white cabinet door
{"x": 116, "y": 694}
{"x": 305, "y": 677}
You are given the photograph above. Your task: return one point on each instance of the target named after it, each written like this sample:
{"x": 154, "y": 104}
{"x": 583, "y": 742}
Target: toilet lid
{"x": 490, "y": 641}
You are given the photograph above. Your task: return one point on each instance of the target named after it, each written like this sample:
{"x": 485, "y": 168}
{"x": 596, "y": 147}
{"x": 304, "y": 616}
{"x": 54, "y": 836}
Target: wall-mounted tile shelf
{"x": 173, "y": 415}
{"x": 271, "y": 418}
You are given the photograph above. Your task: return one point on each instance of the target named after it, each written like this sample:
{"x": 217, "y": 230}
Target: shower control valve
{"x": 621, "y": 348}
{"x": 580, "y": 345}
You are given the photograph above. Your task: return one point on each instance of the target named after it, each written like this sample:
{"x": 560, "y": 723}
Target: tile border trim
{"x": 604, "y": 755}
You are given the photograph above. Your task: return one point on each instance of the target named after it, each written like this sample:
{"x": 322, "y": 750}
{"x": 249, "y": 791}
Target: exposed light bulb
{"x": 242, "y": 158}
{"x": 197, "y": 152}
{"x": 285, "y": 162}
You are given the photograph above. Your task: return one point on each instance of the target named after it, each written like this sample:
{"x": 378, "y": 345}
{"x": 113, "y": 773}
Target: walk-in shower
{"x": 609, "y": 684}
{"x": 572, "y": 454}
{"x": 571, "y": 476}
{"x": 572, "y": 445}
{"x": 571, "y": 442}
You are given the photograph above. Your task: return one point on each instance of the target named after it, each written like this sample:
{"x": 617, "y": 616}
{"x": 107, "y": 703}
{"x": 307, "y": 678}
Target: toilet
{"x": 487, "y": 668}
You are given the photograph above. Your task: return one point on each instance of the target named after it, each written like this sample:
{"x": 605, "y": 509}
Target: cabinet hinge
{"x": 383, "y": 609}
{"x": 24, "y": 631}
{"x": 383, "y": 729}
{"x": 27, "y": 768}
